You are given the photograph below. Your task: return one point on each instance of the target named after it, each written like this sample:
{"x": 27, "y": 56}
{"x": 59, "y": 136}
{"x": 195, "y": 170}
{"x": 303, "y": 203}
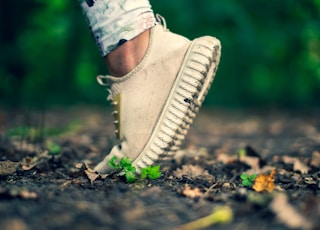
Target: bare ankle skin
{"x": 127, "y": 56}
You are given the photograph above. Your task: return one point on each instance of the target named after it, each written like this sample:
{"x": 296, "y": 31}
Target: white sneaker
{"x": 157, "y": 101}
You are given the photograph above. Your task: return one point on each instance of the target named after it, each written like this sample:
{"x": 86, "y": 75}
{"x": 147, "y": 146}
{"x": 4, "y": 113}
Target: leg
{"x": 157, "y": 84}
{"x": 127, "y": 56}
{"x": 121, "y": 29}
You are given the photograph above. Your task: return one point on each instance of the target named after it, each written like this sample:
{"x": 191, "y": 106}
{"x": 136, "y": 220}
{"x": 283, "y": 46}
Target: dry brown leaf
{"x": 225, "y": 158}
{"x": 28, "y": 160}
{"x": 264, "y": 182}
{"x": 192, "y": 171}
{"x": 14, "y": 224}
{"x": 263, "y": 170}
{"x": 28, "y": 167}
{"x": 79, "y": 165}
{"x": 191, "y": 193}
{"x": 104, "y": 176}
{"x": 66, "y": 183}
{"x": 32, "y": 162}
{"x": 23, "y": 146}
{"x": 25, "y": 194}
{"x": 253, "y": 162}
{"x": 298, "y": 165}
{"x": 287, "y": 214}
{"x": 191, "y": 152}
{"x": 315, "y": 160}
{"x": 19, "y": 193}
{"x": 8, "y": 167}
{"x": 92, "y": 176}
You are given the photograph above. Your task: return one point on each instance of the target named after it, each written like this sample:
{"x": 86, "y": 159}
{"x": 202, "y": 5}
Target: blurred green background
{"x": 271, "y": 51}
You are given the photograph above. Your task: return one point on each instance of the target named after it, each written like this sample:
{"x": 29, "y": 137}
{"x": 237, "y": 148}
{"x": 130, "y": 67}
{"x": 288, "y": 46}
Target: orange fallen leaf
{"x": 264, "y": 182}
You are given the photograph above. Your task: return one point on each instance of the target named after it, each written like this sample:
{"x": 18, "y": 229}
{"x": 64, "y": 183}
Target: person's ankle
{"x": 127, "y": 56}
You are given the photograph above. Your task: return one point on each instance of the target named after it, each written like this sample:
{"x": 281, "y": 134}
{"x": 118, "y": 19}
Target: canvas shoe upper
{"x": 155, "y": 103}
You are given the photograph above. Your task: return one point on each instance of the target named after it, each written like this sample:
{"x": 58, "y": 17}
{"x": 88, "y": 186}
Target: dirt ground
{"x": 43, "y": 184}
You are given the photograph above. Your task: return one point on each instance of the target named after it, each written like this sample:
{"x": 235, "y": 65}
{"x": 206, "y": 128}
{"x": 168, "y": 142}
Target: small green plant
{"x": 114, "y": 164}
{"x": 26, "y": 132}
{"x": 247, "y": 180}
{"x": 151, "y": 172}
{"x": 220, "y": 215}
{"x": 125, "y": 164}
{"x": 242, "y": 152}
{"x": 53, "y": 148}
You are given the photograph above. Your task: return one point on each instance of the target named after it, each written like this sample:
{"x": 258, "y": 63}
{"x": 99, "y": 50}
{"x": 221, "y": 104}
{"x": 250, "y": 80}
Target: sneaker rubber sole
{"x": 186, "y": 96}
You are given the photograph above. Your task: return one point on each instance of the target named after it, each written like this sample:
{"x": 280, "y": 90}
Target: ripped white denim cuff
{"x": 113, "y": 22}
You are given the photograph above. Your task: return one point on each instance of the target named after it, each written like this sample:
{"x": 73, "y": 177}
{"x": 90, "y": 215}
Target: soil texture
{"x": 46, "y": 181}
